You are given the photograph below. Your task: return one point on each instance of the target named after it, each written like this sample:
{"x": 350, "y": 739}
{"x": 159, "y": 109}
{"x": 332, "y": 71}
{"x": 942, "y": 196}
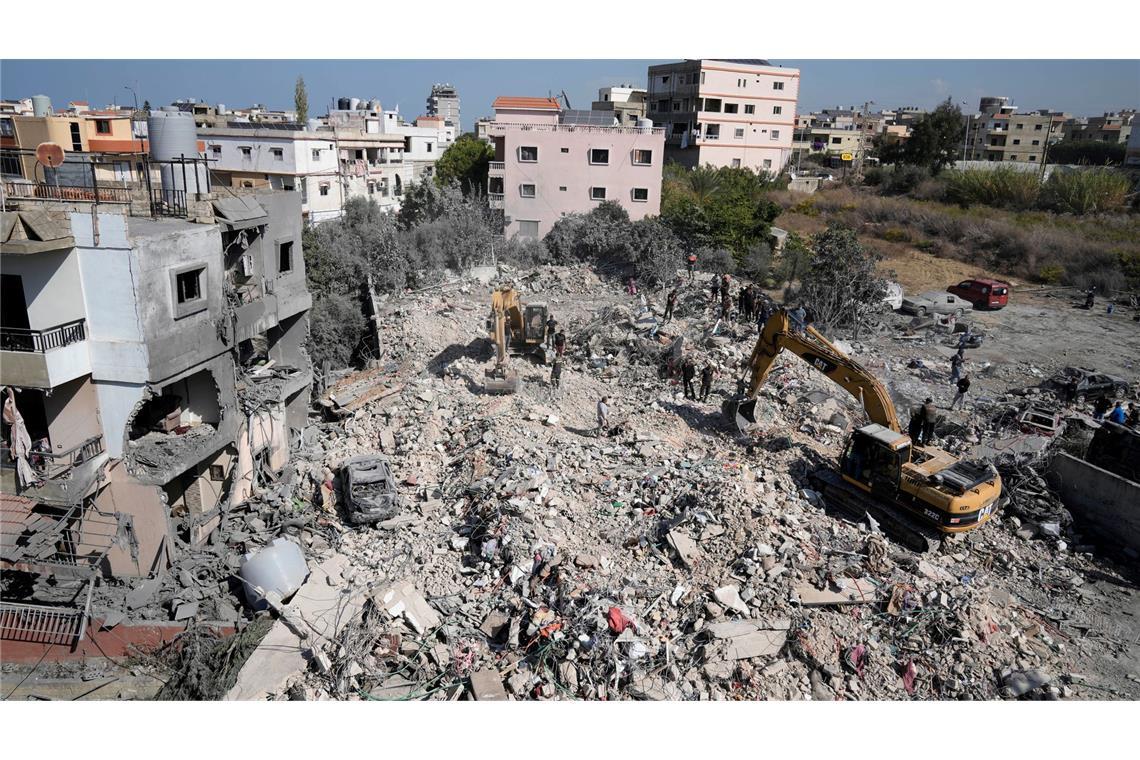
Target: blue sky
{"x": 1081, "y": 87}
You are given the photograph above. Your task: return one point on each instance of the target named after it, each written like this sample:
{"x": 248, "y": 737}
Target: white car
{"x": 936, "y": 302}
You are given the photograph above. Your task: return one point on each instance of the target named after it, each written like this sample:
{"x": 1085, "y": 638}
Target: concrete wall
{"x": 148, "y": 518}
{"x": 1107, "y": 503}
{"x": 53, "y": 289}
{"x": 72, "y": 412}
{"x": 117, "y": 402}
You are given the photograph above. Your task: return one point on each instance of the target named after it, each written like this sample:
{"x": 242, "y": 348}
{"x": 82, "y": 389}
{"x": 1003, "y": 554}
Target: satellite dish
{"x": 50, "y": 154}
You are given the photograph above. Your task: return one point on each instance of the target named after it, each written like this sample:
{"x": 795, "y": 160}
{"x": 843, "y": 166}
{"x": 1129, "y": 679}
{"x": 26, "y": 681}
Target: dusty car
{"x": 894, "y": 296}
{"x": 1080, "y": 384}
{"x": 936, "y": 302}
{"x": 369, "y": 489}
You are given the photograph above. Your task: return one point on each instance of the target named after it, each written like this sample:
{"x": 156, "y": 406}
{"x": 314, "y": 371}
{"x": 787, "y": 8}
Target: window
{"x": 712, "y": 132}
{"x": 777, "y": 110}
{"x": 528, "y": 229}
{"x": 712, "y": 105}
{"x": 495, "y": 185}
{"x": 1012, "y": 156}
{"x": 216, "y": 150}
{"x": 1033, "y": 158}
{"x": 102, "y": 126}
{"x": 562, "y": 188}
{"x": 643, "y": 157}
{"x": 528, "y": 153}
{"x": 767, "y": 163}
{"x": 641, "y": 194}
{"x": 777, "y": 85}
{"x": 836, "y": 140}
{"x": 1036, "y": 127}
{"x": 749, "y": 109}
{"x": 702, "y": 77}
{"x": 324, "y": 188}
{"x": 76, "y": 140}
{"x": 285, "y": 256}
{"x": 278, "y": 154}
{"x": 662, "y": 105}
{"x": 1036, "y": 142}
{"x": 597, "y": 193}
{"x": 246, "y": 151}
{"x": 599, "y": 156}
{"x": 1020, "y": 126}
{"x": 665, "y": 80}
{"x": 189, "y": 290}
{"x": 316, "y": 154}
{"x": 731, "y": 108}
{"x": 371, "y": 188}
{"x": 217, "y": 473}
{"x": 775, "y": 134}
{"x": 526, "y": 191}
{"x": 189, "y": 285}
{"x": 565, "y": 150}
{"x": 736, "y": 163}
{"x": 1017, "y": 142}
{"x": 738, "y": 133}
{"x": 6, "y": 128}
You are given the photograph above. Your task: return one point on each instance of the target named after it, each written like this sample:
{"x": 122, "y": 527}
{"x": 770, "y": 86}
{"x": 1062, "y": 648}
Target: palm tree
{"x": 703, "y": 182}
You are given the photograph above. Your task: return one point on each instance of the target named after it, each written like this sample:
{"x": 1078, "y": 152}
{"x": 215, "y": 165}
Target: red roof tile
{"x": 541, "y": 104}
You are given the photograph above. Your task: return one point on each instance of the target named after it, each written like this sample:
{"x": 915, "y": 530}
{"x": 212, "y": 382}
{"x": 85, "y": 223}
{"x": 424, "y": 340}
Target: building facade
{"x": 627, "y": 103}
{"x": 725, "y": 112}
{"x": 443, "y": 101}
{"x": 1110, "y": 128}
{"x": 550, "y": 162}
{"x": 151, "y": 367}
{"x": 998, "y": 133}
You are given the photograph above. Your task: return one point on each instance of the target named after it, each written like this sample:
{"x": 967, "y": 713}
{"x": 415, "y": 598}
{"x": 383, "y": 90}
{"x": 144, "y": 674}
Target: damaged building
{"x": 153, "y": 370}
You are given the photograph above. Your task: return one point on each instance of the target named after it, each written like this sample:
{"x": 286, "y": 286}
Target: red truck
{"x": 983, "y": 293}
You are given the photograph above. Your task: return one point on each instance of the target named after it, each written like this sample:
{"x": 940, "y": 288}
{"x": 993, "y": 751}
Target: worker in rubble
{"x": 707, "y": 374}
{"x": 1100, "y": 408}
{"x": 670, "y": 302}
{"x": 603, "y": 413}
{"x": 956, "y": 362}
{"x": 556, "y": 374}
{"x": 688, "y": 372}
{"x": 798, "y": 316}
{"x": 715, "y": 290}
{"x": 1133, "y": 415}
{"x": 691, "y": 265}
{"x": 914, "y": 427}
{"x": 559, "y": 343}
{"x": 631, "y": 285}
{"x": 1089, "y": 297}
{"x": 551, "y": 328}
{"x": 764, "y": 313}
{"x": 725, "y": 301}
{"x": 929, "y": 417}
{"x": 1117, "y": 414}
{"x": 963, "y": 386}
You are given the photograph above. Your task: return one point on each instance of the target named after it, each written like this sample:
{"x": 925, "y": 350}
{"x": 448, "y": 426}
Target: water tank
{"x": 220, "y": 108}
{"x": 172, "y": 135}
{"x": 41, "y": 105}
{"x": 343, "y": 104}
{"x": 374, "y": 105}
{"x": 645, "y": 123}
{"x": 314, "y": 125}
{"x": 353, "y": 104}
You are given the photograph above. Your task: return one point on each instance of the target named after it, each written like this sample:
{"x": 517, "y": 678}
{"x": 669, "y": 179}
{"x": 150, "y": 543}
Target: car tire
{"x": 958, "y": 314}
{"x": 1079, "y": 398}
{"x": 921, "y": 310}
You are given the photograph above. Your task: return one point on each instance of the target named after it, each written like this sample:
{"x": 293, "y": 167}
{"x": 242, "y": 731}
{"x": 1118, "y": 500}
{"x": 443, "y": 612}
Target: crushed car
{"x": 1080, "y": 384}
{"x": 369, "y": 489}
{"x": 936, "y": 302}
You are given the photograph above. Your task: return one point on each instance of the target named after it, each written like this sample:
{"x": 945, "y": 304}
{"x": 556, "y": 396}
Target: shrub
{"x": 336, "y": 325}
{"x": 903, "y": 179}
{"x": 873, "y": 176}
{"x": 719, "y": 261}
{"x": 756, "y": 264}
{"x": 1051, "y": 274}
{"x": 895, "y": 235}
{"x": 1002, "y": 186}
{"x": 1090, "y": 191}
{"x": 807, "y": 207}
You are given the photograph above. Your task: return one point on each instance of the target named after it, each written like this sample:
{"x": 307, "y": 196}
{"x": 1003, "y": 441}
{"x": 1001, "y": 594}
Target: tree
{"x": 466, "y": 161}
{"x": 146, "y": 106}
{"x": 841, "y": 284}
{"x": 935, "y": 139}
{"x": 1091, "y": 152}
{"x": 722, "y": 207}
{"x": 301, "y": 101}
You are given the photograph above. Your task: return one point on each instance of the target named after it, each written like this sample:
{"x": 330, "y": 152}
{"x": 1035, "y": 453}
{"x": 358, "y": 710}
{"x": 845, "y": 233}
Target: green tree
{"x": 301, "y": 101}
{"x": 841, "y": 284}
{"x": 718, "y": 207}
{"x": 1091, "y": 152}
{"x": 935, "y": 139}
{"x": 466, "y": 161}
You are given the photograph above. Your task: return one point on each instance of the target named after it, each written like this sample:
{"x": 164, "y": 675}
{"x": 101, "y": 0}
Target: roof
{"x": 33, "y": 231}
{"x": 745, "y": 61}
{"x": 987, "y": 281}
{"x": 539, "y": 104}
{"x": 240, "y": 212}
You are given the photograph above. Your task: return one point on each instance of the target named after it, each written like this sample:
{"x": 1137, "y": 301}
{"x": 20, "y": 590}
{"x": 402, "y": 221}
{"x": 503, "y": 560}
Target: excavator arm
{"x": 501, "y": 379}
{"x": 820, "y": 353}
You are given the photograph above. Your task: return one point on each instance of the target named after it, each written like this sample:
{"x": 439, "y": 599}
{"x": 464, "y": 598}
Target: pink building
{"x": 550, "y": 162}
{"x": 725, "y": 112}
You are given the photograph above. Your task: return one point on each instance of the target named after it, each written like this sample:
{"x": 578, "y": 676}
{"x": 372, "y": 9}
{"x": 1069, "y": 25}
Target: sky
{"x": 1081, "y": 87}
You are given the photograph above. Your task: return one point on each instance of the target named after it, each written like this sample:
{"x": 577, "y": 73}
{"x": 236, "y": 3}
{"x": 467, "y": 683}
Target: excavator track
{"x": 897, "y": 524}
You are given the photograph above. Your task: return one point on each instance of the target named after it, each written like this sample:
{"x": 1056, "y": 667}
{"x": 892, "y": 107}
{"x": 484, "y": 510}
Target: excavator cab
{"x": 874, "y": 457}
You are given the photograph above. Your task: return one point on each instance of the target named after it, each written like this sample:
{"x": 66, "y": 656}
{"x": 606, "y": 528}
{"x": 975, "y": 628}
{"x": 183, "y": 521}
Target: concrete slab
{"x": 843, "y": 591}
{"x": 487, "y": 686}
{"x": 756, "y": 644}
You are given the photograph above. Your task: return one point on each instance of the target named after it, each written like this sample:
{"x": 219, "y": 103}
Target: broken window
{"x": 285, "y": 257}
{"x": 712, "y": 105}
{"x": 189, "y": 285}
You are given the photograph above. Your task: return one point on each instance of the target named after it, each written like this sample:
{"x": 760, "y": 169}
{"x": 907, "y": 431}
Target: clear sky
{"x": 1081, "y": 87}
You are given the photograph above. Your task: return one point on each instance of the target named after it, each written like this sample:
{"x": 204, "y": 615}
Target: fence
{"x": 38, "y": 341}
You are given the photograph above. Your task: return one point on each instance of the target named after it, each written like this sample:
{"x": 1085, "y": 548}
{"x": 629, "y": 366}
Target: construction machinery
{"x": 514, "y": 329}
{"x": 916, "y": 493}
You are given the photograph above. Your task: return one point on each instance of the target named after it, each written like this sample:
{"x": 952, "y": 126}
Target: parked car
{"x": 894, "y": 297}
{"x": 936, "y": 302}
{"x": 1081, "y": 384}
{"x": 369, "y": 490}
{"x": 982, "y": 292}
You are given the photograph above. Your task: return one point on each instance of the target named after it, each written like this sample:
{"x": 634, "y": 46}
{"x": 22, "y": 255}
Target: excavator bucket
{"x": 742, "y": 413}
{"x": 501, "y": 384}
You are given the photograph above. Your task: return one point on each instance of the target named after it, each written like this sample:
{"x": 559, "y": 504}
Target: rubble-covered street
{"x": 673, "y": 558}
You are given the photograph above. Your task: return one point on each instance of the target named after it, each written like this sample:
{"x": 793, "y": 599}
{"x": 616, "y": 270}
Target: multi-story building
{"x": 1113, "y": 127}
{"x": 550, "y": 162}
{"x": 424, "y": 141}
{"x": 444, "y": 101}
{"x": 725, "y": 112}
{"x": 627, "y": 103}
{"x": 152, "y": 362}
{"x": 1132, "y": 151}
{"x": 834, "y": 141}
{"x": 998, "y": 133}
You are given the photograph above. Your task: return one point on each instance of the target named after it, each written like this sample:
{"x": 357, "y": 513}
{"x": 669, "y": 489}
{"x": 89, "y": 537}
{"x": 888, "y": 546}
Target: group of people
{"x": 689, "y": 373}
{"x": 555, "y": 339}
{"x": 1102, "y": 407}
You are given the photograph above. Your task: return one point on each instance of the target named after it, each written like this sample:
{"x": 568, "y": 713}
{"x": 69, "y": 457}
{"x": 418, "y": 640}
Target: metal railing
{"x": 49, "y": 191}
{"x": 498, "y": 127}
{"x": 42, "y": 624}
{"x": 497, "y": 166}
{"x": 39, "y": 341}
{"x": 49, "y": 465}
{"x": 167, "y": 202}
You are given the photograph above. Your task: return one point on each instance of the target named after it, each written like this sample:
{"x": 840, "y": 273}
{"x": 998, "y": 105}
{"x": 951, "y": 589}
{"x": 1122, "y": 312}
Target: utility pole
{"x": 966, "y": 137}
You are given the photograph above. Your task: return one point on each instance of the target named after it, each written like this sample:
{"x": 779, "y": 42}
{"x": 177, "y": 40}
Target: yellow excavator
{"x": 514, "y": 329}
{"x": 916, "y": 493}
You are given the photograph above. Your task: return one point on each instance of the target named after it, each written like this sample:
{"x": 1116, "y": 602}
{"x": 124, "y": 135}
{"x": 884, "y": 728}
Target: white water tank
{"x": 173, "y": 136}
{"x": 353, "y": 104}
{"x": 41, "y": 105}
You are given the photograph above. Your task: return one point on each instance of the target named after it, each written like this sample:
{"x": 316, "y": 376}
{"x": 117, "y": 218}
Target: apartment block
{"x": 725, "y": 112}
{"x": 1115, "y": 127}
{"x": 443, "y": 101}
{"x": 628, "y": 104}
{"x": 998, "y": 133}
{"x": 425, "y": 140}
{"x": 152, "y": 367}
{"x": 550, "y": 162}
{"x": 1132, "y": 151}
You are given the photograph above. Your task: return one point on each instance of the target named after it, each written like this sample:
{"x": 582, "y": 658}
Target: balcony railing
{"x": 39, "y": 341}
{"x": 49, "y": 465}
{"x": 48, "y": 191}
{"x": 499, "y": 127}
{"x": 497, "y": 166}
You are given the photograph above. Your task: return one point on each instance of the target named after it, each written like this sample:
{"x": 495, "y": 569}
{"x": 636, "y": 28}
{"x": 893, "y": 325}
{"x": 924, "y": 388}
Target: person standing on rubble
{"x": 560, "y": 344}
{"x": 725, "y": 301}
{"x": 670, "y": 302}
{"x": 798, "y": 316}
{"x": 556, "y": 374}
{"x": 551, "y": 328}
{"x": 688, "y": 372}
{"x": 956, "y": 363}
{"x": 929, "y": 417}
{"x": 691, "y": 265}
{"x": 1117, "y": 414}
{"x": 707, "y": 374}
{"x": 1100, "y": 408}
{"x": 603, "y": 413}
{"x": 963, "y": 387}
{"x": 764, "y": 313}
{"x": 1133, "y": 415}
{"x": 914, "y": 428}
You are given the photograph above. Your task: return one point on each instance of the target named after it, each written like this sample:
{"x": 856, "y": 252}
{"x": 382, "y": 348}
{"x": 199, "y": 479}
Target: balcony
{"x": 497, "y": 166}
{"x": 66, "y": 541}
{"x": 46, "y": 191}
{"x": 64, "y": 477}
{"x": 495, "y": 200}
{"x": 44, "y": 358}
{"x": 502, "y": 127}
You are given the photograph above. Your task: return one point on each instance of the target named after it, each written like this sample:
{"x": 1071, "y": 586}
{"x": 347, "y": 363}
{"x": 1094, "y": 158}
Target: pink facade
{"x": 726, "y": 113}
{"x": 546, "y": 167}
